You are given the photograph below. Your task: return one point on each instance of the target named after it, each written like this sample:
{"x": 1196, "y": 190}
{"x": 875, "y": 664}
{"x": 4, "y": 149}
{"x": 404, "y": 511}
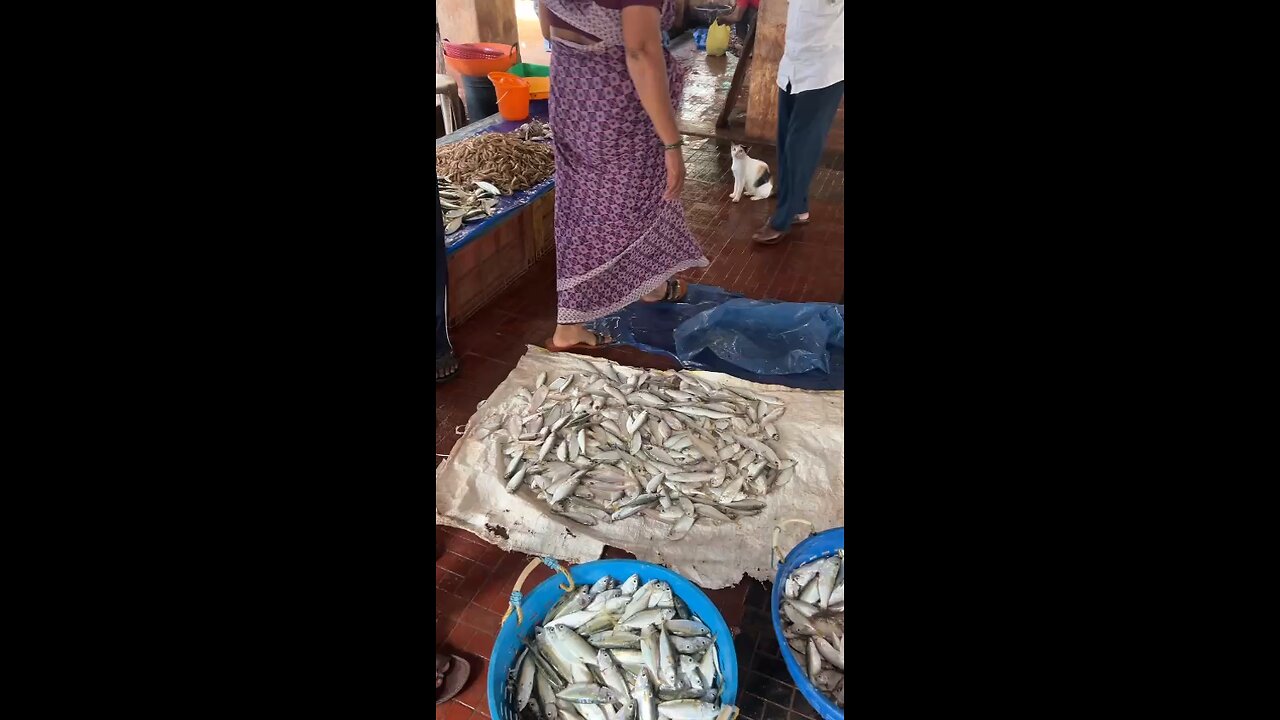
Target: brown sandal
{"x": 677, "y": 291}
{"x": 768, "y": 236}
{"x": 452, "y": 673}
{"x": 602, "y": 341}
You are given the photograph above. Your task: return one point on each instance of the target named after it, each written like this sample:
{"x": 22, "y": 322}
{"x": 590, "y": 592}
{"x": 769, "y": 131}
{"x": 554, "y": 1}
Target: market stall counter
{"x": 485, "y": 257}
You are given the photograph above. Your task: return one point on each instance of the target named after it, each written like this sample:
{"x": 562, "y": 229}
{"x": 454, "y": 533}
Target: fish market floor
{"x": 473, "y": 578}
{"x": 474, "y": 581}
{"x": 807, "y": 266}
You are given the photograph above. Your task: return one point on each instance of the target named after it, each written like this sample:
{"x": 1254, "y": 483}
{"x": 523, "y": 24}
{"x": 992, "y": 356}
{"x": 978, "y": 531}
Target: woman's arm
{"x": 648, "y": 68}
{"x": 544, "y": 19}
{"x": 642, "y": 38}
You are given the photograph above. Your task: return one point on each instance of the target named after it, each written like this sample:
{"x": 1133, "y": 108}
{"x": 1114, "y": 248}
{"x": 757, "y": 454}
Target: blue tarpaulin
{"x": 798, "y": 345}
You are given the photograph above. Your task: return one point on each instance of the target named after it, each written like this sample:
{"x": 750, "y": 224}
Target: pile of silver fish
{"x": 618, "y": 652}
{"x": 534, "y": 130}
{"x": 462, "y": 205}
{"x": 813, "y": 622}
{"x": 611, "y": 442}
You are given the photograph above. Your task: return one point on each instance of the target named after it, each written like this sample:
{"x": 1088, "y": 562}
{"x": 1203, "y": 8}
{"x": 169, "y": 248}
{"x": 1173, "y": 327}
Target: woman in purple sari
{"x": 619, "y": 225}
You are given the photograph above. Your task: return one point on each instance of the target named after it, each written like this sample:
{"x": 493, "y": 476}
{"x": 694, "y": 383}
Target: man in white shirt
{"x": 810, "y": 88}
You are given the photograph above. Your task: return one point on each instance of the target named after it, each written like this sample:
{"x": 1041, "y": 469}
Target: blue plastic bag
{"x": 700, "y": 38}
{"x": 652, "y": 328}
{"x": 766, "y": 338}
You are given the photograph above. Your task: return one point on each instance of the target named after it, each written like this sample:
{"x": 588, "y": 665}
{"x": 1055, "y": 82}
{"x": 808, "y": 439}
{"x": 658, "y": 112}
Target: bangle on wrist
{"x": 675, "y": 145}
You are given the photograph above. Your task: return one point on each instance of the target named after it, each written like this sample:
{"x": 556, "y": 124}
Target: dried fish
{"x": 503, "y": 161}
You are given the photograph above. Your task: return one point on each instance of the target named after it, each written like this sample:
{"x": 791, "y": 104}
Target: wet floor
{"x": 707, "y": 88}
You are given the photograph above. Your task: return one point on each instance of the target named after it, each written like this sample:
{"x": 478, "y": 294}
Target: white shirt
{"x": 813, "y": 56}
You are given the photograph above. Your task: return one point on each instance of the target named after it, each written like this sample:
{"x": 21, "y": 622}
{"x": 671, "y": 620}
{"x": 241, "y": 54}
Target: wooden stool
{"x": 451, "y": 102}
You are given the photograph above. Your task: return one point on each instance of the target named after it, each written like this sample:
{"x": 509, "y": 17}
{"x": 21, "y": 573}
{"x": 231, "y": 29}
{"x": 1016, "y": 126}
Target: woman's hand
{"x": 675, "y": 174}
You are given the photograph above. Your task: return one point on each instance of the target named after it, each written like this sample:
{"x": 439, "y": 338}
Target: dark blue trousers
{"x": 443, "y": 347}
{"x": 803, "y": 122}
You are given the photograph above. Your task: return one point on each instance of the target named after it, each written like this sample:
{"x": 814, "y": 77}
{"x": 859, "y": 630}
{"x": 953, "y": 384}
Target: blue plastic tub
{"x": 815, "y": 546}
{"x": 536, "y": 604}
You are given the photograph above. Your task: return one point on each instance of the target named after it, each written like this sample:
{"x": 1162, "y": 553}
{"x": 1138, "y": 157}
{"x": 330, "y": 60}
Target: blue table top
{"x": 508, "y": 205}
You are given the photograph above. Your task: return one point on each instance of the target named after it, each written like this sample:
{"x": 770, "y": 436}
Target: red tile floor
{"x": 474, "y": 579}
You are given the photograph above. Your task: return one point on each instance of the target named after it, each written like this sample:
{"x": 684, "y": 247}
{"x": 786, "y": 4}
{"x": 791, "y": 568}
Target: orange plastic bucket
{"x": 513, "y": 95}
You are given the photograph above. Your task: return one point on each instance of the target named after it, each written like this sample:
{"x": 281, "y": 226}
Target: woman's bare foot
{"x": 657, "y": 294}
{"x": 672, "y": 290}
{"x": 569, "y": 335}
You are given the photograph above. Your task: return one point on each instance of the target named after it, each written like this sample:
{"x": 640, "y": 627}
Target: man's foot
{"x": 446, "y": 367}
{"x": 767, "y": 235}
{"x": 801, "y": 219}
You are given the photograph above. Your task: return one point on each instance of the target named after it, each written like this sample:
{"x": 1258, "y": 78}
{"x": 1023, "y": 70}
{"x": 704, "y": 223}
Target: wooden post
{"x": 464, "y": 21}
{"x": 739, "y": 72}
{"x": 762, "y": 91}
{"x": 478, "y": 21}
{"x": 680, "y": 8}
{"x": 440, "y": 67}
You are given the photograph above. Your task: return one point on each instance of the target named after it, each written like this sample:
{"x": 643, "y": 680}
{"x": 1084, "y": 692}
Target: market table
{"x": 485, "y": 257}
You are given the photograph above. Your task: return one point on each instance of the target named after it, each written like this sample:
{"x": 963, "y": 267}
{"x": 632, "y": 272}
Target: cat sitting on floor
{"x": 749, "y": 175}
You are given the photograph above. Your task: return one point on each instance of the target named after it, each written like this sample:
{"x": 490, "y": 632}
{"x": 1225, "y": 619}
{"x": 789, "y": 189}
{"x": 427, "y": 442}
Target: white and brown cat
{"x": 749, "y": 175}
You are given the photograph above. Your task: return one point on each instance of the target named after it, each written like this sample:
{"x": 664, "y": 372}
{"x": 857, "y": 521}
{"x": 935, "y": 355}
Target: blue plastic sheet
{"x": 765, "y": 338}
{"x": 700, "y": 38}
{"x": 798, "y": 345}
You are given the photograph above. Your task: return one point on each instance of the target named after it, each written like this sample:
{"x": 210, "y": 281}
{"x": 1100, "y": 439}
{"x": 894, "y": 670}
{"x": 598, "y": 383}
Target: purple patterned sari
{"x": 616, "y": 239}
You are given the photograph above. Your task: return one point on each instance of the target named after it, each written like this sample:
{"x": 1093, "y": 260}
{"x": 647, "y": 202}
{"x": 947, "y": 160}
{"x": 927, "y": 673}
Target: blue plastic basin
{"x": 816, "y": 546}
{"x": 536, "y": 604}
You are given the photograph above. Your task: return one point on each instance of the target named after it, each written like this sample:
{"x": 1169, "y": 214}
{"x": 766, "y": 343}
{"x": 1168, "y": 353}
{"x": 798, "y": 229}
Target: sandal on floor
{"x": 446, "y": 367}
{"x": 452, "y": 673}
{"x": 797, "y": 220}
{"x": 677, "y": 291}
{"x": 768, "y": 236}
{"x": 602, "y": 341}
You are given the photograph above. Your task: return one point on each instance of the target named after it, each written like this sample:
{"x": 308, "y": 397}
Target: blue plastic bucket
{"x": 812, "y": 548}
{"x": 536, "y": 604}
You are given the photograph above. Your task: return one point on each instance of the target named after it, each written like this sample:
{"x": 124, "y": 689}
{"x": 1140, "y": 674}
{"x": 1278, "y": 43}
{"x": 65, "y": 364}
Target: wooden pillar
{"x": 478, "y": 20}
{"x": 465, "y": 21}
{"x": 762, "y": 91}
{"x": 680, "y": 7}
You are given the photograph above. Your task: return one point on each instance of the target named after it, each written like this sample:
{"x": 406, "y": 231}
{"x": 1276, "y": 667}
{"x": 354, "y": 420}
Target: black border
{"x": 274, "y": 158}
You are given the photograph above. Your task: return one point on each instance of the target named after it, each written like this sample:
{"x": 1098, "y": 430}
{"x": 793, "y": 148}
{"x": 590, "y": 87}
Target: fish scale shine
{"x": 618, "y": 422}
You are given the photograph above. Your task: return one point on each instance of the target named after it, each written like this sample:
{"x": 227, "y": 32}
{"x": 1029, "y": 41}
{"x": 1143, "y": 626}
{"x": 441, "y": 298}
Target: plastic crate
{"x": 536, "y": 604}
{"x": 822, "y": 545}
{"x": 538, "y": 76}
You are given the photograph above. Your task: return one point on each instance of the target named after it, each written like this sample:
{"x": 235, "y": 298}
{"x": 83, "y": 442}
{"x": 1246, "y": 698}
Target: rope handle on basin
{"x": 777, "y": 530}
{"x": 517, "y": 597}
